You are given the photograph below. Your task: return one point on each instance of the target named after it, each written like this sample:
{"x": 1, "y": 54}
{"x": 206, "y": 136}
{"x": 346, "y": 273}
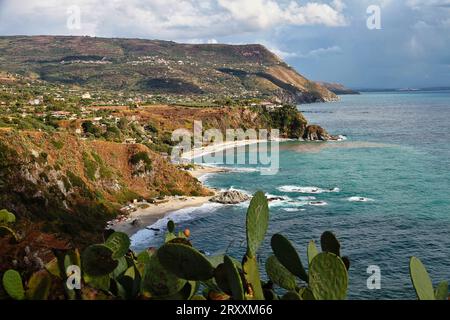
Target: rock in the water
{"x": 316, "y": 133}
{"x": 230, "y": 197}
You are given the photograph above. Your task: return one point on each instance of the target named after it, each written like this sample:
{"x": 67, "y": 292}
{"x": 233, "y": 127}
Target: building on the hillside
{"x": 35, "y": 101}
{"x": 86, "y": 95}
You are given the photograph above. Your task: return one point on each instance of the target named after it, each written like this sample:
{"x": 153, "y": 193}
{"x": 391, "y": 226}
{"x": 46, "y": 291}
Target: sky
{"x": 406, "y": 45}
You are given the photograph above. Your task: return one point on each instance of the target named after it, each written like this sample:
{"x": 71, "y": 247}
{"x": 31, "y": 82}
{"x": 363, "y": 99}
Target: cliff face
{"x": 166, "y": 119}
{"x": 160, "y": 67}
{"x": 75, "y": 186}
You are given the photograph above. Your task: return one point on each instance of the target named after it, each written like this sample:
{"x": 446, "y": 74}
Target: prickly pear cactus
{"x": 131, "y": 282}
{"x": 306, "y": 294}
{"x": 122, "y": 266}
{"x": 185, "y": 293}
{"x": 441, "y": 292}
{"x": 346, "y": 261}
{"x": 251, "y": 273}
{"x": 119, "y": 243}
{"x": 97, "y": 260}
{"x": 421, "y": 280}
{"x": 158, "y": 281}
{"x": 328, "y": 277}
{"x": 257, "y": 222}
{"x": 171, "y": 226}
{"x": 330, "y": 243}
{"x": 312, "y": 251}
{"x": 234, "y": 279}
{"x": 7, "y": 217}
{"x": 12, "y": 283}
{"x": 39, "y": 286}
{"x": 291, "y": 295}
{"x": 185, "y": 262}
{"x": 279, "y": 275}
{"x": 288, "y": 256}
{"x": 98, "y": 282}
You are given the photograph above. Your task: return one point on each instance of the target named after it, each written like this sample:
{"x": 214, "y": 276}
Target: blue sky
{"x": 323, "y": 39}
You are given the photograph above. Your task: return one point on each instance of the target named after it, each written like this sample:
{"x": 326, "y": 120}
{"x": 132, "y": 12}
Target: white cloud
{"x": 282, "y": 54}
{"x": 418, "y": 4}
{"x": 168, "y": 19}
{"x": 322, "y": 52}
{"x": 263, "y": 14}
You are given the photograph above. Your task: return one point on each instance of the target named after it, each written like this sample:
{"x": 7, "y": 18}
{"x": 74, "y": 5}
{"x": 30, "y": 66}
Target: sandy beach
{"x": 218, "y": 147}
{"x": 148, "y": 216}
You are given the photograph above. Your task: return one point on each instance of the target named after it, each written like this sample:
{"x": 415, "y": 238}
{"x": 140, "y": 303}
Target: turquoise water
{"x": 396, "y": 157}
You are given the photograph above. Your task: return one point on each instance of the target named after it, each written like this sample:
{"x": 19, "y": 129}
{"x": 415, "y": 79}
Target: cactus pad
{"x": 234, "y": 279}
{"x": 279, "y": 274}
{"x": 312, "y": 251}
{"x": 291, "y": 295}
{"x": 251, "y": 274}
{"x": 441, "y": 292}
{"x": 185, "y": 262}
{"x": 12, "y": 283}
{"x": 7, "y": 217}
{"x": 39, "y": 286}
{"x": 328, "y": 277}
{"x": 158, "y": 281}
{"x": 97, "y": 260}
{"x": 421, "y": 280}
{"x": 257, "y": 222}
{"x": 329, "y": 243}
{"x": 119, "y": 243}
{"x": 288, "y": 256}
{"x": 171, "y": 226}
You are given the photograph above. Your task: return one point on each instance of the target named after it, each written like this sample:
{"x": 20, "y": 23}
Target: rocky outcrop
{"x": 230, "y": 197}
{"x": 316, "y": 133}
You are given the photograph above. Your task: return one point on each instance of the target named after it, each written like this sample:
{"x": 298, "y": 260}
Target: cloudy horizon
{"x": 325, "y": 40}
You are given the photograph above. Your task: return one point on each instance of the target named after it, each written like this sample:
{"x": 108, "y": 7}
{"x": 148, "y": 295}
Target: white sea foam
{"x": 341, "y": 138}
{"x": 306, "y": 190}
{"x": 292, "y": 209}
{"x": 307, "y": 198}
{"x": 245, "y": 169}
{"x": 360, "y": 199}
{"x": 284, "y": 201}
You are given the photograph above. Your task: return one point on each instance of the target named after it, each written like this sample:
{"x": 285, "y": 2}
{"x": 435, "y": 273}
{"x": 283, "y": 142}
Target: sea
{"x": 384, "y": 191}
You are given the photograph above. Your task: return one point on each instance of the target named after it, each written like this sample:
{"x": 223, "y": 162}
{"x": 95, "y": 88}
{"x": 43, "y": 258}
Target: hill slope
{"x": 74, "y": 186}
{"x": 159, "y": 67}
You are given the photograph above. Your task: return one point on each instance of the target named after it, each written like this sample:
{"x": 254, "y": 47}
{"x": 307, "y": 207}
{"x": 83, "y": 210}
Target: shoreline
{"x": 154, "y": 212}
{"x": 218, "y": 147}
{"x": 148, "y": 216}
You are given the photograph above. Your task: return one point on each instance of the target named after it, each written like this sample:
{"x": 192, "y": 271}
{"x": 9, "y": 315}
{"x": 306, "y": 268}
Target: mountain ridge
{"x": 160, "y": 67}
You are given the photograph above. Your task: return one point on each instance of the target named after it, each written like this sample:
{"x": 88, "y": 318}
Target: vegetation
{"x": 178, "y": 271}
